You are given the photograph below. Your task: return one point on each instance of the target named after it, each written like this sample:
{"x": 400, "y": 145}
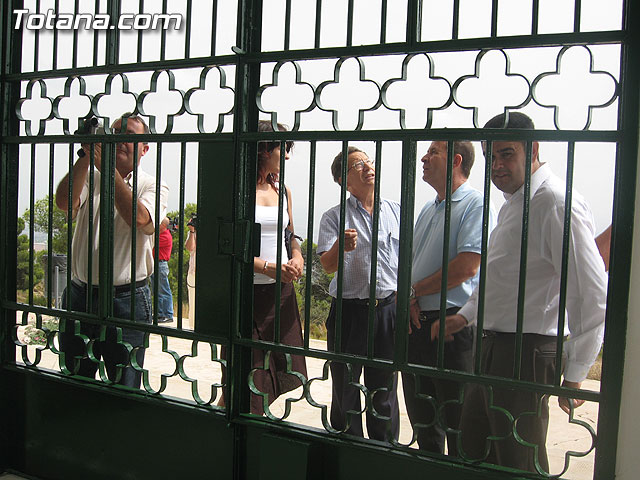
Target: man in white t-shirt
{"x": 112, "y": 351}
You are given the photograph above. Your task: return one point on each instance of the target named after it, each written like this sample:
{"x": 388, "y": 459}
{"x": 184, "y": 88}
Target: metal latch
{"x": 235, "y": 239}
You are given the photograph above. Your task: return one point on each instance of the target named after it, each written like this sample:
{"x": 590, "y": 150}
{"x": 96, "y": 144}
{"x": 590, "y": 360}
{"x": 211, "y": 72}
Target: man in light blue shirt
{"x": 354, "y": 333}
{"x": 465, "y": 242}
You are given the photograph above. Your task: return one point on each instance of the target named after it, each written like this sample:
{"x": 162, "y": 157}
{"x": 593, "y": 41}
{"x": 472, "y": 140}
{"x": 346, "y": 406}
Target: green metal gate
{"x": 59, "y": 425}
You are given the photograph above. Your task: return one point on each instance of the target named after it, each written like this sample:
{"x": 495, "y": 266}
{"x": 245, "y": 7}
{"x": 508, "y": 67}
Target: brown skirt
{"x": 275, "y": 380}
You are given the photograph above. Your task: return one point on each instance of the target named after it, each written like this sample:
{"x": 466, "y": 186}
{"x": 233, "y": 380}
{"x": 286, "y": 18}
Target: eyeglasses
{"x": 359, "y": 165}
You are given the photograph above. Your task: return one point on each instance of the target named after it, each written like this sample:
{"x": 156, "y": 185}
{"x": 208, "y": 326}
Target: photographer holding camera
{"x": 112, "y": 347}
{"x": 190, "y": 245}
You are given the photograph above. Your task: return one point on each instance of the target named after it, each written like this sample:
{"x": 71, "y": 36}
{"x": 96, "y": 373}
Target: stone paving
{"x": 563, "y": 436}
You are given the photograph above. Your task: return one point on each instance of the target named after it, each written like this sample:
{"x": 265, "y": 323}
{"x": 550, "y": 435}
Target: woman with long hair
{"x": 274, "y": 381}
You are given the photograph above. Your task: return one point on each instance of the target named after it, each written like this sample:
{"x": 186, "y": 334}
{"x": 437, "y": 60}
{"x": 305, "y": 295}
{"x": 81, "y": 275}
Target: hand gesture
{"x": 97, "y": 153}
{"x": 453, "y": 324}
{"x": 350, "y": 239}
{"x": 414, "y": 314}
{"x": 298, "y": 264}
{"x": 565, "y": 402}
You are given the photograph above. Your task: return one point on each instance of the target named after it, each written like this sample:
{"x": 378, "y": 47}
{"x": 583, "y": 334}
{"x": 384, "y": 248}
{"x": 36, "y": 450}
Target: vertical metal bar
{"x": 69, "y": 217}
{"x": 316, "y": 42}
{"x": 134, "y": 223}
{"x": 163, "y": 35}
{"x": 287, "y": 25}
{"x": 279, "y": 253}
{"x": 156, "y": 234}
{"x": 535, "y": 15}
{"x": 482, "y": 280}
{"x": 74, "y": 53}
{"x": 455, "y": 28}
{"x": 50, "y": 208}
{"x": 214, "y": 26}
{"x": 90, "y": 239}
{"x": 613, "y": 357}
{"x": 445, "y": 253}
{"x": 577, "y": 12}
{"x": 36, "y": 42}
{"x": 350, "y": 23}
{"x": 523, "y": 262}
{"x": 187, "y": 36}
{"x": 309, "y": 265}
{"x": 494, "y": 18}
{"x": 414, "y": 21}
{"x": 566, "y": 236}
{"x": 139, "y": 43}
{"x": 96, "y": 37}
{"x": 56, "y": 6}
{"x": 373, "y": 279}
{"x": 32, "y": 193}
{"x": 383, "y": 21}
{"x": 106, "y": 229}
{"x": 343, "y": 221}
{"x": 183, "y": 163}
{"x": 407, "y": 199}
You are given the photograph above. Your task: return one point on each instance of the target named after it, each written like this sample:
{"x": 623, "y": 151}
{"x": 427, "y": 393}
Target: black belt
{"x": 493, "y": 333}
{"x": 379, "y": 302}
{"x": 119, "y": 289}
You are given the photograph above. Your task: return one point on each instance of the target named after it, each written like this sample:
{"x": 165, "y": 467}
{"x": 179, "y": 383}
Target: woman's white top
{"x": 267, "y": 217}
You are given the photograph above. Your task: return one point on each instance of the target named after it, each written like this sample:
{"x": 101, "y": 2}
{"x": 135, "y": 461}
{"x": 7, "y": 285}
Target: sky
{"x": 574, "y": 90}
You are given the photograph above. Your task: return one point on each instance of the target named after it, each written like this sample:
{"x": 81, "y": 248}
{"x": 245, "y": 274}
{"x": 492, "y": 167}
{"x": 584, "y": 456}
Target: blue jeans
{"x": 165, "y": 298}
{"x": 75, "y": 355}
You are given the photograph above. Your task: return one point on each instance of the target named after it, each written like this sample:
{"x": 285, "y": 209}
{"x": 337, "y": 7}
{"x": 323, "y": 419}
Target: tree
{"x": 41, "y": 223}
{"x": 22, "y": 264}
{"x": 320, "y": 300}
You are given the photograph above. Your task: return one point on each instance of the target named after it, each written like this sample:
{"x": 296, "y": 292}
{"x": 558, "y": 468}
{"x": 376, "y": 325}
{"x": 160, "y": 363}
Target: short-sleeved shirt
{"x": 122, "y": 234}
{"x": 465, "y": 236}
{"x": 357, "y": 263}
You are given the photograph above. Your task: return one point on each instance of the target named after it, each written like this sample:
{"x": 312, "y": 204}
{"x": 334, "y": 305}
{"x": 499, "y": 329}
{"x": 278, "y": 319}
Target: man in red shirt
{"x": 165, "y": 298}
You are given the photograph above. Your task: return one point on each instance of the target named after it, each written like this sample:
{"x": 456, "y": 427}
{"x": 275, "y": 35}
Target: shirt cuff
{"x": 576, "y": 372}
{"x": 468, "y": 312}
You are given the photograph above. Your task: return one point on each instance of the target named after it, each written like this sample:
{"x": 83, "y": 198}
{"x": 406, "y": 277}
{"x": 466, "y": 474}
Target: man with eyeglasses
{"x": 520, "y": 441}
{"x": 465, "y": 246}
{"x": 354, "y": 329}
{"x": 113, "y": 348}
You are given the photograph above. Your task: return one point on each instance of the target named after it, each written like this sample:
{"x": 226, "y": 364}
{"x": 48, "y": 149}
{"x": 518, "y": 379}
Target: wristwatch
{"x": 412, "y": 293}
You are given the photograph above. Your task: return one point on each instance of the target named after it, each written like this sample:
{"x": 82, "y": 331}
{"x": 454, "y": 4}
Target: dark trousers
{"x": 346, "y": 408}
{"x": 87, "y": 347}
{"x": 530, "y": 410}
{"x": 431, "y": 418}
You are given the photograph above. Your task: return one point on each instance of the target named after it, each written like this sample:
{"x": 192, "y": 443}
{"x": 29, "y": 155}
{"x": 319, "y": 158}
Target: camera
{"x": 174, "y": 224}
{"x": 193, "y": 222}
{"x": 89, "y": 126}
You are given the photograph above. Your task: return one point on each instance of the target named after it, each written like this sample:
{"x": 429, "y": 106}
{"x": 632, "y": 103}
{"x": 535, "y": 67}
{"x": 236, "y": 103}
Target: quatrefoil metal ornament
{"x": 24, "y": 347}
{"x": 202, "y": 88}
{"x": 275, "y": 85}
{"x": 133, "y": 358}
{"x": 324, "y": 416}
{"x": 535, "y": 447}
{"x": 265, "y": 396}
{"x": 62, "y": 355}
{"x": 403, "y": 81}
{"x": 547, "y": 76}
{"x": 102, "y": 367}
{"x": 352, "y": 94}
{"x": 476, "y": 77}
{"x": 67, "y": 96}
{"x": 107, "y": 121}
{"x": 153, "y": 92}
{"x": 28, "y": 99}
{"x": 492, "y": 409}
{"x": 194, "y": 381}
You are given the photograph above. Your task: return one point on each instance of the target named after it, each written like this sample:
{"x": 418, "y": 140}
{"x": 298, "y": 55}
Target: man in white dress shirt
{"x": 112, "y": 351}
{"x": 585, "y": 307}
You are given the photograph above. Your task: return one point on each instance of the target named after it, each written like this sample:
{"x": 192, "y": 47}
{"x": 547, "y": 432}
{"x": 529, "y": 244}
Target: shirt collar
{"x": 462, "y": 191}
{"x": 537, "y": 179}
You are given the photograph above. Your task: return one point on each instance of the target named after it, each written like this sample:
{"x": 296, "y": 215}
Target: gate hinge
{"x": 234, "y": 238}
